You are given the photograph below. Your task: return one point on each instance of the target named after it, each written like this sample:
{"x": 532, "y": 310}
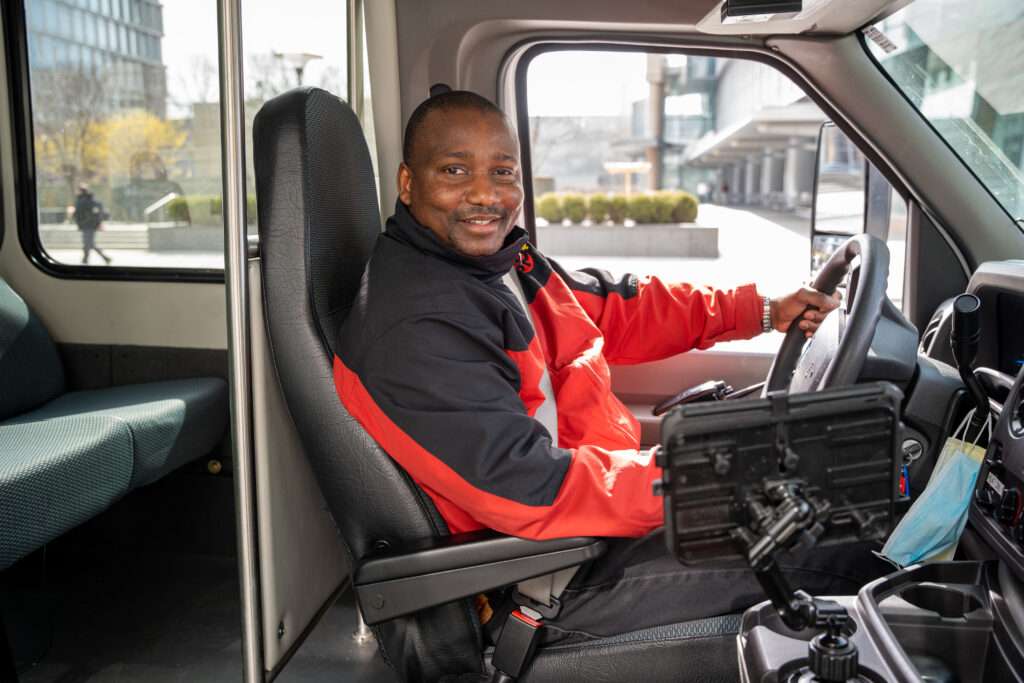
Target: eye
{"x": 505, "y": 173}
{"x": 454, "y": 170}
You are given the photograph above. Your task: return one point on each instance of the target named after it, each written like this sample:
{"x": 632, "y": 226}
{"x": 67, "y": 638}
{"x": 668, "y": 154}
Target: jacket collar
{"x": 406, "y": 229}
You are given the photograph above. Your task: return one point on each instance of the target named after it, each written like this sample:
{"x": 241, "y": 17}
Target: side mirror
{"x": 838, "y": 204}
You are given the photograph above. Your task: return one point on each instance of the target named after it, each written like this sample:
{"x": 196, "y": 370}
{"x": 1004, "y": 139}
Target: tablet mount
{"x": 792, "y": 520}
{"x": 761, "y": 477}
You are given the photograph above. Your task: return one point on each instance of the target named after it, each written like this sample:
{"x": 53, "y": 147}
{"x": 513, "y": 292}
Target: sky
{"x": 584, "y": 83}
{"x": 559, "y": 83}
{"x": 316, "y": 26}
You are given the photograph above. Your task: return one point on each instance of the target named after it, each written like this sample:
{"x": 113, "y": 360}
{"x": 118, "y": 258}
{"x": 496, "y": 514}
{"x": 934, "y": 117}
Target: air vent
{"x": 928, "y": 337}
{"x": 935, "y": 339}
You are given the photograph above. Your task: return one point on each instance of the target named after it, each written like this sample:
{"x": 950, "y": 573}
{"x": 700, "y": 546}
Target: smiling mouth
{"x": 480, "y": 220}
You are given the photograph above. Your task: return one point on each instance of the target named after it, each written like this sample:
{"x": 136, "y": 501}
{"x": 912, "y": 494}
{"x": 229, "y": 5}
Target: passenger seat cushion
{"x": 171, "y": 422}
{"x": 30, "y": 369}
{"x": 56, "y": 474}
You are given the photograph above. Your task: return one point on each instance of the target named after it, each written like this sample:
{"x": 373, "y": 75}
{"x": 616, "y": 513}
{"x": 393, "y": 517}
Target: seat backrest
{"x": 318, "y": 222}
{"x": 29, "y": 365}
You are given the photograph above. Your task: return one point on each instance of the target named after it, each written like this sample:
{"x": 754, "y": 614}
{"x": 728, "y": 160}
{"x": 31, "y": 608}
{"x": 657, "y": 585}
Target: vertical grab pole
{"x": 229, "y": 30}
{"x": 355, "y": 57}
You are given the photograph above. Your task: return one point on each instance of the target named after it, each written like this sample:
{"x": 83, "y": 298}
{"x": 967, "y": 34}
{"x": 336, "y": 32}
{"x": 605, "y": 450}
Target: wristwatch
{"x": 766, "y": 315}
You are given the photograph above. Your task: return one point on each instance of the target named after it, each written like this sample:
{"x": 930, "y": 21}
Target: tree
{"x": 136, "y": 136}
{"x": 67, "y": 106}
{"x": 197, "y": 83}
{"x": 266, "y": 76}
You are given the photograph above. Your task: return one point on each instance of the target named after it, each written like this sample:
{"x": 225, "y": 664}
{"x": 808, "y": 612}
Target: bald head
{"x": 455, "y": 100}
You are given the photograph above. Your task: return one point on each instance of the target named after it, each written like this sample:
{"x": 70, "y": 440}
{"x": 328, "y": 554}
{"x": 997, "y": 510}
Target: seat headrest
{"x": 318, "y": 211}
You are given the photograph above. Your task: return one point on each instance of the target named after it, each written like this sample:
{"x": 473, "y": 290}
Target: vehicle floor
{"x": 171, "y": 617}
{"x": 148, "y": 591}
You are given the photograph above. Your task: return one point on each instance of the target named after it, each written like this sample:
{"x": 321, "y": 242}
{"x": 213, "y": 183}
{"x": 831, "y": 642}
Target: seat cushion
{"x": 702, "y": 651}
{"x": 30, "y": 369}
{"x": 56, "y": 474}
{"x": 170, "y": 422}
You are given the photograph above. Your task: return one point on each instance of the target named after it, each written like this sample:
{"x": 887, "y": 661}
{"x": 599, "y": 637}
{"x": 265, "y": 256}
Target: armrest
{"x": 441, "y": 570}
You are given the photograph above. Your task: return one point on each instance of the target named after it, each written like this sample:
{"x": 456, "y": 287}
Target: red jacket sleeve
{"x": 647, "y": 319}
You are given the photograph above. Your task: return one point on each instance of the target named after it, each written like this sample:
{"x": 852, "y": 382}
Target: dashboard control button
{"x": 1009, "y": 506}
{"x": 987, "y": 499}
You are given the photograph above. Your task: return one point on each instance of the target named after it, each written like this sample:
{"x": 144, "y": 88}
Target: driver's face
{"x": 463, "y": 181}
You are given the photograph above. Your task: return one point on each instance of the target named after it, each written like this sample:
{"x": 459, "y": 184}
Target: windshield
{"x": 959, "y": 62}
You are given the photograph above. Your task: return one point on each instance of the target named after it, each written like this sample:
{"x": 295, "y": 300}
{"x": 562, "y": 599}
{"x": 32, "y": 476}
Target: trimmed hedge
{"x": 549, "y": 207}
{"x": 204, "y": 209}
{"x": 575, "y": 206}
{"x": 667, "y": 206}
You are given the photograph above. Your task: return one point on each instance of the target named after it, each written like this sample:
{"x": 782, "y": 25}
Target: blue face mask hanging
{"x": 931, "y": 529}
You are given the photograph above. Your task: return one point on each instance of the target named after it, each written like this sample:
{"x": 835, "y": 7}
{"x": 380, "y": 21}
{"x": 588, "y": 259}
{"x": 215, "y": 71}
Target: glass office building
{"x": 117, "y": 42}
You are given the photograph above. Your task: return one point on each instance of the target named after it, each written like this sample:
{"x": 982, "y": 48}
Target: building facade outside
{"x": 116, "y": 40}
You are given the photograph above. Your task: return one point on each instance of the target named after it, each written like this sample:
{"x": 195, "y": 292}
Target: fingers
{"x": 813, "y": 297}
{"x": 809, "y": 327}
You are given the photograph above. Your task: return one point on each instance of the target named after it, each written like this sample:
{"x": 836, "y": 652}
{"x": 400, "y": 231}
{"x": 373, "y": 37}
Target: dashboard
{"x": 997, "y": 513}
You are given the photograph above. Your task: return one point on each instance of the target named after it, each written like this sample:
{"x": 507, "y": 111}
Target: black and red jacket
{"x": 443, "y": 368}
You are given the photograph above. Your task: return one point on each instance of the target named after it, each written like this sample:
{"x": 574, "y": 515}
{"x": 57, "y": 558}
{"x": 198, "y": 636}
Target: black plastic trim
{"x": 446, "y": 569}
{"x": 26, "y": 216}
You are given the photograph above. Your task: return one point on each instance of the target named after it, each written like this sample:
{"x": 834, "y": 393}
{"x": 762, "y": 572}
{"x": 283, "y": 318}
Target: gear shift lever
{"x": 964, "y": 340}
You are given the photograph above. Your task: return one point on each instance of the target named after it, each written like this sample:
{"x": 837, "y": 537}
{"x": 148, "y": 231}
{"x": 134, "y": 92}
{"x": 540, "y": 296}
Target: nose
{"x": 482, "y": 191}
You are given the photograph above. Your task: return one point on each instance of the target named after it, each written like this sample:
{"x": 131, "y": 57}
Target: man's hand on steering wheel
{"x": 807, "y": 305}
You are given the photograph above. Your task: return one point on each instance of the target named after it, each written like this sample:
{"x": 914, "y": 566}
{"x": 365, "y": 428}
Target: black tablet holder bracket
{"x": 761, "y": 477}
{"x": 792, "y": 521}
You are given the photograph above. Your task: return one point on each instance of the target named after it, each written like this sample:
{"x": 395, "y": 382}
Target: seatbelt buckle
{"x": 516, "y": 644}
{"x": 549, "y": 611}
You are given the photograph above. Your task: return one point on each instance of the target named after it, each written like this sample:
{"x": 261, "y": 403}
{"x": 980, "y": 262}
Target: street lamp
{"x": 297, "y": 61}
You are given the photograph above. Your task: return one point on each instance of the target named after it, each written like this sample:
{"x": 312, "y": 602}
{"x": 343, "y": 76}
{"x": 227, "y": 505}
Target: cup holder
{"x": 949, "y": 602}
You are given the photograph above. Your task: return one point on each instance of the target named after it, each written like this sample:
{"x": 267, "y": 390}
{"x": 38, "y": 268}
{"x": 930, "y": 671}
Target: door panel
{"x": 640, "y": 387}
{"x": 302, "y": 559}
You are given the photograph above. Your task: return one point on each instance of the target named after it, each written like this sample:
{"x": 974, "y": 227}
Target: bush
{"x": 664, "y": 202}
{"x": 598, "y": 207}
{"x": 549, "y": 207}
{"x": 641, "y": 208}
{"x": 575, "y": 206}
{"x": 618, "y": 208}
{"x": 204, "y": 209}
{"x": 178, "y": 211}
{"x": 684, "y": 207}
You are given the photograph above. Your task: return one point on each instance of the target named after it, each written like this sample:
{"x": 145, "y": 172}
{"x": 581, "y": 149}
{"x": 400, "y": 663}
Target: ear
{"x": 404, "y": 184}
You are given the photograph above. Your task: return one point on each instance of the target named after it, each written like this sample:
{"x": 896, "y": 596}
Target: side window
{"x": 690, "y": 168}
{"x": 125, "y": 124}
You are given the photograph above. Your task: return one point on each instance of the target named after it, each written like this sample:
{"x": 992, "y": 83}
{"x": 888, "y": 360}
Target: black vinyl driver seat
{"x": 318, "y": 222}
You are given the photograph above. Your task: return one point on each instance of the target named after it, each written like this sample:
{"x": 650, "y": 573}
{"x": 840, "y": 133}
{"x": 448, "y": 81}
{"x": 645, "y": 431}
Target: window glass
{"x": 693, "y": 169}
{"x": 897, "y": 243}
{"x": 959, "y": 62}
{"x": 139, "y": 129}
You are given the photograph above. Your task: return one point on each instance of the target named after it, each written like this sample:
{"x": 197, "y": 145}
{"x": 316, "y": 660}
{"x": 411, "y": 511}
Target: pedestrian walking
{"x": 89, "y": 216}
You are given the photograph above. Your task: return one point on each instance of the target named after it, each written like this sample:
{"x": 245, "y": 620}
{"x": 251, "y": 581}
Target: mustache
{"x": 495, "y": 211}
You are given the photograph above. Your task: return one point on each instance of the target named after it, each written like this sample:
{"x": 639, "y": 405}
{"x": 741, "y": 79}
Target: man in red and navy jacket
{"x": 482, "y": 366}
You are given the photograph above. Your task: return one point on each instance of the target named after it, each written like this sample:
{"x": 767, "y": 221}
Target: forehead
{"x": 466, "y": 130}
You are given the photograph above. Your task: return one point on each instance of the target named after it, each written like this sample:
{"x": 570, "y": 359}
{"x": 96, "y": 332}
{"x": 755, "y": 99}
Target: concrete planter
{"x": 654, "y": 240}
{"x": 187, "y": 238}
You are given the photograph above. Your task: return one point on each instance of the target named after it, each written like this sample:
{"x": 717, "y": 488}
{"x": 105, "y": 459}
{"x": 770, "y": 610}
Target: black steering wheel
{"x": 835, "y": 355}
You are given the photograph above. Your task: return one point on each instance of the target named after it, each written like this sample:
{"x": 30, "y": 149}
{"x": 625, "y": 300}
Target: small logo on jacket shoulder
{"x": 524, "y": 261}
